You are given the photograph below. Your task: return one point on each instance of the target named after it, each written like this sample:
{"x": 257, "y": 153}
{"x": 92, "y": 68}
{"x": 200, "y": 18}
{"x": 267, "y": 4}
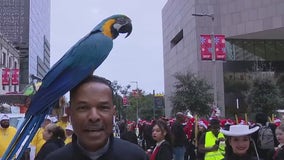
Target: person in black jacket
{"x": 130, "y": 134}
{"x": 55, "y": 137}
{"x": 261, "y": 119}
{"x": 92, "y": 112}
{"x": 179, "y": 137}
{"x": 162, "y": 135}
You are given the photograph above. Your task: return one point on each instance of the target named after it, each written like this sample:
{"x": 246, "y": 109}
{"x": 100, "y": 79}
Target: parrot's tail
{"x": 24, "y": 136}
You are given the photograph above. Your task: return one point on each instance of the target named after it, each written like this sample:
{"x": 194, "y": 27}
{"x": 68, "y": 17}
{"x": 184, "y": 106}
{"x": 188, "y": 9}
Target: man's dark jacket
{"x": 178, "y": 135}
{"x": 118, "y": 150}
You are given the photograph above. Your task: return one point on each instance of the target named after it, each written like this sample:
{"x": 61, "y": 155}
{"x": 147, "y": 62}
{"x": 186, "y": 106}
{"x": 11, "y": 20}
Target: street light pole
{"x": 214, "y": 76}
{"x": 137, "y": 107}
{"x": 137, "y": 102}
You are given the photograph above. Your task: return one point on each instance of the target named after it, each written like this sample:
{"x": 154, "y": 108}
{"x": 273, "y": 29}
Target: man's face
{"x": 215, "y": 128}
{"x": 5, "y": 123}
{"x": 64, "y": 119}
{"x": 91, "y": 113}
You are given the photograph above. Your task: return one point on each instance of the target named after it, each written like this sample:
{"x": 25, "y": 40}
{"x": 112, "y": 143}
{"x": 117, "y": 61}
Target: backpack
{"x": 265, "y": 139}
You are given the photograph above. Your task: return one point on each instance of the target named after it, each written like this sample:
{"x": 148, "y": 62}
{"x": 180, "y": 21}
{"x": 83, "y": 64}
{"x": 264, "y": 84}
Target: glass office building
{"x": 26, "y": 24}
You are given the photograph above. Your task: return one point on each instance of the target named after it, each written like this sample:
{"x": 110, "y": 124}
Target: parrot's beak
{"x": 126, "y": 28}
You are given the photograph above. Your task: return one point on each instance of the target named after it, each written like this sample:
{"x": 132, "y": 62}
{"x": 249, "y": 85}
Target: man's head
{"x": 5, "y": 122}
{"x": 64, "y": 118}
{"x": 261, "y": 118}
{"x": 180, "y": 117}
{"x": 46, "y": 121}
{"x": 215, "y": 126}
{"x": 92, "y": 111}
{"x": 69, "y": 130}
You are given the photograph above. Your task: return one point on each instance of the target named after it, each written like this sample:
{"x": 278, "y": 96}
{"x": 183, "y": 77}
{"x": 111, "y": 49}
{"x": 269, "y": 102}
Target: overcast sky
{"x": 136, "y": 58}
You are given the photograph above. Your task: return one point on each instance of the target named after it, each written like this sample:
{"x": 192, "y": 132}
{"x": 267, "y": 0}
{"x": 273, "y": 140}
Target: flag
{"x": 206, "y": 47}
{"x": 220, "y": 50}
{"x": 5, "y": 76}
{"x": 15, "y": 76}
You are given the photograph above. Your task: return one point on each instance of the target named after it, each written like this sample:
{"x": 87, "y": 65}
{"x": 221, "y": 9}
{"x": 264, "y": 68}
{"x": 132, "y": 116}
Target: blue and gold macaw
{"x": 78, "y": 62}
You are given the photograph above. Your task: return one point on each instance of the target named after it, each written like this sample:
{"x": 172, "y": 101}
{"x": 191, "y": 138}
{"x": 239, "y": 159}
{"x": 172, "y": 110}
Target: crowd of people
{"x": 216, "y": 140}
{"x": 90, "y": 132}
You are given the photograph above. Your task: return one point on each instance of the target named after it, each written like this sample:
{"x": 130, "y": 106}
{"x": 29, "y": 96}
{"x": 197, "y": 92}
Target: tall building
{"x": 9, "y": 62}
{"x": 254, "y": 31}
{"x": 26, "y": 24}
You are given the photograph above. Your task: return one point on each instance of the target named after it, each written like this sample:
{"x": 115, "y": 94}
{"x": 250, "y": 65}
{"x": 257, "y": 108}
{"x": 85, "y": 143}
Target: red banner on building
{"x": 125, "y": 101}
{"x": 220, "y": 49}
{"x": 206, "y": 47}
{"x": 15, "y": 76}
{"x": 5, "y": 76}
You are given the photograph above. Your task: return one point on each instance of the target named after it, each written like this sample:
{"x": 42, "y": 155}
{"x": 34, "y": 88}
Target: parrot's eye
{"x": 121, "y": 20}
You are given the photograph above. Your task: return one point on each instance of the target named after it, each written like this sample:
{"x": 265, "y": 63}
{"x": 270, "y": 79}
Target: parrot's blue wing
{"x": 71, "y": 69}
{"x": 78, "y": 62}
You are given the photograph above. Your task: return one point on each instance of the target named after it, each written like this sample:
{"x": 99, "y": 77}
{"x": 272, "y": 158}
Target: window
{"x": 177, "y": 38}
{"x": 3, "y": 62}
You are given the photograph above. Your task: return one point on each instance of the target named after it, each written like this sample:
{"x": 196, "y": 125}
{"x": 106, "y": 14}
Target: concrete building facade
{"x": 9, "y": 58}
{"x": 26, "y": 24}
{"x": 254, "y": 31}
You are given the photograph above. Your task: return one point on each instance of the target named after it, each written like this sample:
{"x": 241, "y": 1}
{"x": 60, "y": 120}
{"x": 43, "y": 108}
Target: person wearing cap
{"x": 38, "y": 140}
{"x": 69, "y": 132}
{"x": 239, "y": 145}
{"x": 63, "y": 122}
{"x": 212, "y": 142}
{"x": 7, "y": 133}
{"x": 202, "y": 129}
{"x": 92, "y": 112}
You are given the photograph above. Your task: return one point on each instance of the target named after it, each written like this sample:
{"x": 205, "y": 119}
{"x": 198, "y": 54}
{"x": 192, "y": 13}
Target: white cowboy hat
{"x": 239, "y": 130}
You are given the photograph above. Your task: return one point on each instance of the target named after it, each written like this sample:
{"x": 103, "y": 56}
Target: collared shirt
{"x": 97, "y": 154}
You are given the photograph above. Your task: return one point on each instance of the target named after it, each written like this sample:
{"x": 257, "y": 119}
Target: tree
{"x": 145, "y": 104}
{"x": 144, "y": 101}
{"x": 236, "y": 89}
{"x": 264, "y": 96}
{"x": 191, "y": 94}
{"x": 117, "y": 99}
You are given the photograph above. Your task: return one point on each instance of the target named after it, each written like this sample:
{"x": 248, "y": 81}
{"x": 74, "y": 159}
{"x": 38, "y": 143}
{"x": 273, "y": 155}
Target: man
{"x": 179, "y": 137}
{"x": 63, "y": 122}
{"x": 212, "y": 143}
{"x": 69, "y": 133}
{"x": 91, "y": 112}
{"x": 267, "y": 131}
{"x": 7, "y": 133}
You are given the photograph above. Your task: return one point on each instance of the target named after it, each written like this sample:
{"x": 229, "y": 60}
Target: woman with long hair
{"x": 162, "y": 135}
{"x": 54, "y": 136}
